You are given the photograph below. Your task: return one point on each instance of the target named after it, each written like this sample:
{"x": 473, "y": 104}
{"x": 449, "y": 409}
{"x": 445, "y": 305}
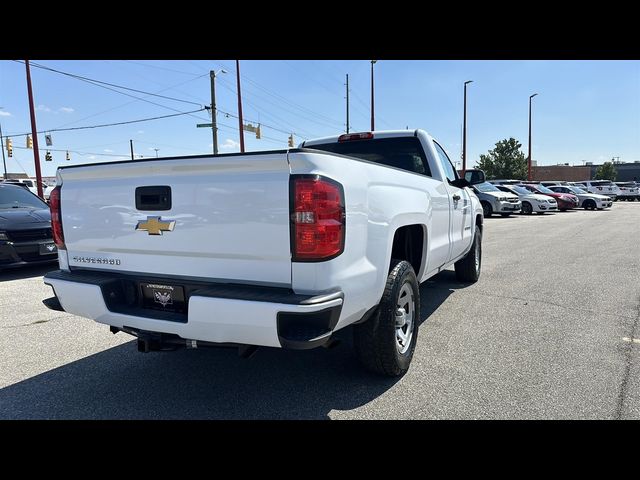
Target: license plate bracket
{"x": 163, "y": 297}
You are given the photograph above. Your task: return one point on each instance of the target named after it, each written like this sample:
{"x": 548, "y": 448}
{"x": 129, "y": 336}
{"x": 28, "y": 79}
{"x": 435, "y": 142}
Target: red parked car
{"x": 565, "y": 201}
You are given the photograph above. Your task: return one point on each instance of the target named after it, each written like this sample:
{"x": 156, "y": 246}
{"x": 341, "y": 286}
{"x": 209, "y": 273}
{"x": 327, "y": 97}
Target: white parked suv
{"x": 279, "y": 248}
{"x": 628, "y": 191}
{"x": 531, "y": 202}
{"x": 602, "y": 187}
{"x": 588, "y": 201}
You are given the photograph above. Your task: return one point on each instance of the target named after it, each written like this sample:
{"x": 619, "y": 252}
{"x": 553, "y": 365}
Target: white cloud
{"x": 108, "y": 150}
{"x": 66, "y": 110}
{"x": 43, "y": 108}
{"x": 4, "y": 114}
{"x": 230, "y": 144}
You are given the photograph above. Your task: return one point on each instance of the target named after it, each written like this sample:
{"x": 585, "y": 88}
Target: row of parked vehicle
{"x": 506, "y": 197}
{"x": 31, "y": 185}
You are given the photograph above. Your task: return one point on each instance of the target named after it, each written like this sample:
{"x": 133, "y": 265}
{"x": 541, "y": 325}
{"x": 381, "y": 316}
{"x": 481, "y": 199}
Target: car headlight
{"x": 552, "y": 200}
{"x": 3, "y": 236}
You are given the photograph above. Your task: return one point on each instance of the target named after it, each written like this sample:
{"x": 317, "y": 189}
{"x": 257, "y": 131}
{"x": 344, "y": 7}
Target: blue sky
{"x": 585, "y": 110}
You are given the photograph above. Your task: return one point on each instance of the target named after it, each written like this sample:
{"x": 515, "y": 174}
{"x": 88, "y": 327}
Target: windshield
{"x": 487, "y": 187}
{"x": 542, "y": 189}
{"x": 601, "y": 182}
{"x": 520, "y": 190}
{"x": 577, "y": 190}
{"x": 18, "y": 197}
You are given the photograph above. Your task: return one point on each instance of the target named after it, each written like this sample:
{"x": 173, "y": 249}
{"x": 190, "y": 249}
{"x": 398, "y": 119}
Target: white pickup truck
{"x": 277, "y": 249}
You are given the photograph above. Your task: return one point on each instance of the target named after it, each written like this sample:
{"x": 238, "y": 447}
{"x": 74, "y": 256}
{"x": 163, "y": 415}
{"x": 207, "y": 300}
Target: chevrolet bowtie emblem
{"x": 155, "y": 226}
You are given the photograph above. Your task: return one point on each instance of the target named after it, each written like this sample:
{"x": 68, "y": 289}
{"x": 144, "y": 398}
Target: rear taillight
{"x": 317, "y": 218}
{"x": 56, "y": 218}
{"x": 355, "y": 136}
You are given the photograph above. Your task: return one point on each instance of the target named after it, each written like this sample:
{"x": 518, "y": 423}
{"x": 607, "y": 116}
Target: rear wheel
{"x": 385, "y": 343}
{"x": 486, "y": 209}
{"x": 589, "y": 205}
{"x": 527, "y": 208}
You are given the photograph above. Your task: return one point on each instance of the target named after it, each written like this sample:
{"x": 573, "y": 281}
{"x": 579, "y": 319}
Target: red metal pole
{"x": 240, "y": 107}
{"x": 34, "y": 133}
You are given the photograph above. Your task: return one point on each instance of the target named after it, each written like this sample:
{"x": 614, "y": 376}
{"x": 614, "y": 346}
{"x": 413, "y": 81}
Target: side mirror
{"x": 474, "y": 176}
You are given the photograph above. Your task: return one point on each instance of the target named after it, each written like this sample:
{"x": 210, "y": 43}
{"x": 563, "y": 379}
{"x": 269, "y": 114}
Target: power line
{"x": 124, "y": 104}
{"x": 108, "y": 124}
{"x": 100, "y": 82}
{"x": 123, "y": 93}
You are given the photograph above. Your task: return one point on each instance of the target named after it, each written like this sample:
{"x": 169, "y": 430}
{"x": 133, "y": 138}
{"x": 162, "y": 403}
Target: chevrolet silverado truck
{"x": 277, "y": 248}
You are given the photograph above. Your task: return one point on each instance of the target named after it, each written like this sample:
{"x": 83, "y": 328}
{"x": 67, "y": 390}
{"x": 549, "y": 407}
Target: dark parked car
{"x": 25, "y": 228}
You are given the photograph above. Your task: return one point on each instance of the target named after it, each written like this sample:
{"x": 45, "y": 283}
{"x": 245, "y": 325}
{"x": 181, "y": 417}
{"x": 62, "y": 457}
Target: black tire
{"x": 487, "y": 209}
{"x": 467, "y": 269}
{"x": 375, "y": 340}
{"x": 589, "y": 205}
{"x": 526, "y": 208}
{"x": 540, "y": 213}
{"x": 562, "y": 209}
{"x": 505, "y": 214}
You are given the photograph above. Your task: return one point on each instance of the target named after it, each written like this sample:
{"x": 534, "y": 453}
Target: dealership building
{"x": 627, "y": 172}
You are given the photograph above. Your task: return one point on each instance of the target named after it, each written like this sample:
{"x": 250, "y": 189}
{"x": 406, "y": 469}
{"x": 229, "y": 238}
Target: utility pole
{"x": 347, "y": 103}
{"x": 240, "y": 107}
{"x": 372, "y": 109}
{"x": 4, "y": 162}
{"x": 464, "y": 130}
{"x": 156, "y": 149}
{"x": 131, "y": 145}
{"x": 529, "y": 174}
{"x": 34, "y": 132}
{"x": 214, "y": 127}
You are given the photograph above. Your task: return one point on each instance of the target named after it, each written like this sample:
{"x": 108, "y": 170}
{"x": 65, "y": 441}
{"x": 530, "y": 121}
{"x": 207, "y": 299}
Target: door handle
{"x": 456, "y": 197}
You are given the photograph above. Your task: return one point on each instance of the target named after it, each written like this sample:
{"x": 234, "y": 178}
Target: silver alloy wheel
{"x": 404, "y": 318}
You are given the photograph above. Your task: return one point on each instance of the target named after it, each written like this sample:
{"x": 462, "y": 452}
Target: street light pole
{"x": 529, "y": 174}
{"x": 214, "y": 125}
{"x": 240, "y": 108}
{"x": 156, "y": 149}
{"x": 464, "y": 130}
{"x": 372, "y": 109}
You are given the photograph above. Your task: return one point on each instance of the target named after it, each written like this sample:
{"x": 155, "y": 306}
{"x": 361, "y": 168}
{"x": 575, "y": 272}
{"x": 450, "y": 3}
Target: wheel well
{"x": 479, "y": 219}
{"x": 408, "y": 242}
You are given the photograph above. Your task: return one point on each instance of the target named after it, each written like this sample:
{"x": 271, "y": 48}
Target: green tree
{"x": 606, "y": 171}
{"x": 505, "y": 161}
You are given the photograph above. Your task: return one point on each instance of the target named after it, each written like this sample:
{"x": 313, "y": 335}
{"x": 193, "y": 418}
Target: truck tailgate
{"x": 231, "y": 218}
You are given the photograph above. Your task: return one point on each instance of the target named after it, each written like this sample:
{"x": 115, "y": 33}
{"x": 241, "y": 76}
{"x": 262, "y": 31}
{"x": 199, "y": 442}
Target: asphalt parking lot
{"x": 547, "y": 333}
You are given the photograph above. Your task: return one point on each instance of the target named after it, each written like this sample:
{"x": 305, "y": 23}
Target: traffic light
{"x": 47, "y": 156}
{"x": 29, "y": 141}
{"x": 258, "y": 132}
{"x": 291, "y": 144}
{"x": 9, "y": 148}
{"x": 68, "y": 156}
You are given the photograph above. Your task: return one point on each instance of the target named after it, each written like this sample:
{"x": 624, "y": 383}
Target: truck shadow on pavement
{"x": 120, "y": 383}
{"x": 30, "y": 271}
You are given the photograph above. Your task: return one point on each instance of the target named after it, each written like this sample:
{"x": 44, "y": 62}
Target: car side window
{"x": 447, "y": 166}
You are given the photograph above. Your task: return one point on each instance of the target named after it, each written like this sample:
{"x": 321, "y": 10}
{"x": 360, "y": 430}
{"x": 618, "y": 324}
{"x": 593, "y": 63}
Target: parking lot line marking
{"x": 634, "y": 340}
